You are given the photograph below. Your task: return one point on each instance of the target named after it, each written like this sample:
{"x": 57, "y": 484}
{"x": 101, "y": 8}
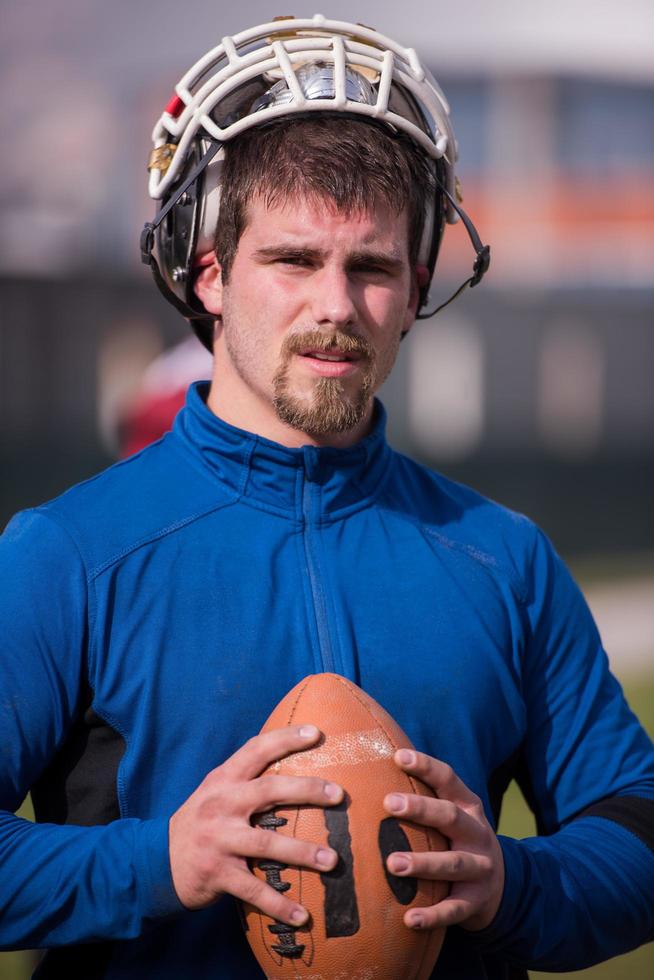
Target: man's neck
{"x": 246, "y": 413}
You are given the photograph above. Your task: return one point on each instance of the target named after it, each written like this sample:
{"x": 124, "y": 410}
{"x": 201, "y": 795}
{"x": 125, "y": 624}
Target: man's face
{"x": 312, "y": 317}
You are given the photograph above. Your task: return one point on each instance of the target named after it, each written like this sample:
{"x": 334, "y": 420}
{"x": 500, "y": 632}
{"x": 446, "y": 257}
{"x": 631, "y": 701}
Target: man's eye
{"x": 295, "y": 260}
{"x": 370, "y": 269}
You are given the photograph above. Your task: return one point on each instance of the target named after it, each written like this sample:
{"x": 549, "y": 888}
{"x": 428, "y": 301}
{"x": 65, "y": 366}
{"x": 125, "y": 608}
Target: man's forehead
{"x": 304, "y": 216}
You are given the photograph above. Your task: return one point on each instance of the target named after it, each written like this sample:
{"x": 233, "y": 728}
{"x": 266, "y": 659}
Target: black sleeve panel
{"x": 79, "y": 786}
{"x": 635, "y": 813}
{"x": 89, "y": 960}
{"x": 498, "y": 783}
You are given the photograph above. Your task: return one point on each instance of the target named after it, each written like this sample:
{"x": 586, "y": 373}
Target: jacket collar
{"x": 314, "y": 483}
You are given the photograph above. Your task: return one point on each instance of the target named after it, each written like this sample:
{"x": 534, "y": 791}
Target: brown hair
{"x": 354, "y": 163}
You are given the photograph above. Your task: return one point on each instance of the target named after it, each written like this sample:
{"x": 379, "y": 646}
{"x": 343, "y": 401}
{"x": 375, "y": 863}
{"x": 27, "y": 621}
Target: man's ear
{"x": 208, "y": 283}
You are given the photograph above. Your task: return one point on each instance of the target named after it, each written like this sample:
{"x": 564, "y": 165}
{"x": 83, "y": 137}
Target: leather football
{"x": 355, "y": 929}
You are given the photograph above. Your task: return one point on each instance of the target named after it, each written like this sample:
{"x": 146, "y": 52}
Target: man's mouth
{"x": 333, "y": 363}
{"x": 338, "y": 356}
{"x": 332, "y": 355}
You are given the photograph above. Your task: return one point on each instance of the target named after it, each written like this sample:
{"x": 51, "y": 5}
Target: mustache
{"x": 319, "y": 340}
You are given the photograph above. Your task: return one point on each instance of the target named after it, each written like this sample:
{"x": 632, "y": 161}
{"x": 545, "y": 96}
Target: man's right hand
{"x": 211, "y": 836}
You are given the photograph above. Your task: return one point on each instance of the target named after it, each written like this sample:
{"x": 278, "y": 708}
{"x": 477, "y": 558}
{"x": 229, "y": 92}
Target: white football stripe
{"x": 350, "y": 749}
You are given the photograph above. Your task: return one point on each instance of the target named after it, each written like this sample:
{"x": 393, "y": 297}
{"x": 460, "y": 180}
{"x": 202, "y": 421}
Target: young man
{"x": 155, "y": 615}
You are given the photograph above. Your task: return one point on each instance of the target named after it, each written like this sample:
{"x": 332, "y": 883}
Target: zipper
{"x": 317, "y": 592}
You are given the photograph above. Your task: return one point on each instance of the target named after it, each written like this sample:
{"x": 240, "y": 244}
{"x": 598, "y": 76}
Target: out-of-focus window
{"x": 468, "y": 99}
{"x": 605, "y": 126}
{"x": 570, "y": 393}
{"x": 446, "y": 387}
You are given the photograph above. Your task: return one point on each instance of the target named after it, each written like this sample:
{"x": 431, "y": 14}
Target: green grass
{"x": 15, "y": 966}
{"x": 517, "y": 821}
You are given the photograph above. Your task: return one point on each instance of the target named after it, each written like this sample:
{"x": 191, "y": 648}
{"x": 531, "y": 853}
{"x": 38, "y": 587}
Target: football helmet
{"x": 286, "y": 67}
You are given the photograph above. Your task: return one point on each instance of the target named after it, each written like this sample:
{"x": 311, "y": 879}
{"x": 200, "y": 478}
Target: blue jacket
{"x": 152, "y": 617}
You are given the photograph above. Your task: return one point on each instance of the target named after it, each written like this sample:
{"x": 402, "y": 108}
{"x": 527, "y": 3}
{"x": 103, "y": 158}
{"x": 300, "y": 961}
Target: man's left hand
{"x": 474, "y": 864}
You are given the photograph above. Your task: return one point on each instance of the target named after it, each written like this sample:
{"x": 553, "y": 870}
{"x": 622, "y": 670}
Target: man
{"x": 156, "y": 614}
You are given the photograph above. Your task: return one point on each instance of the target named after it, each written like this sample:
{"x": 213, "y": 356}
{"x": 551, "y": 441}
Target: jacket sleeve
{"x": 59, "y": 884}
{"x": 583, "y": 890}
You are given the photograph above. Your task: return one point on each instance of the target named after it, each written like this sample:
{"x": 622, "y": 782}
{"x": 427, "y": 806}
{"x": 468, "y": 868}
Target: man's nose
{"x": 332, "y": 298}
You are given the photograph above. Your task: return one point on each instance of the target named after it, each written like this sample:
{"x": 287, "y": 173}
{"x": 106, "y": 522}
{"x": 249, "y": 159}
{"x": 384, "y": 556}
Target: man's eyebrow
{"x": 287, "y": 251}
{"x": 391, "y": 260}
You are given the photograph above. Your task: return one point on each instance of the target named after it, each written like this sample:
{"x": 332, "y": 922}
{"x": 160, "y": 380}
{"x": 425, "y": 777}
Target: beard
{"x": 329, "y": 407}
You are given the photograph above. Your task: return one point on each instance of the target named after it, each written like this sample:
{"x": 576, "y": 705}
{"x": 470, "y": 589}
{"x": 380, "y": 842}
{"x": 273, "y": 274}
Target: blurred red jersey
{"x": 162, "y": 393}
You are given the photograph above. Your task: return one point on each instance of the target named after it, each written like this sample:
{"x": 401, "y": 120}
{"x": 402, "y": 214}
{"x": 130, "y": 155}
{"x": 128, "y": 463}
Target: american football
{"x": 356, "y": 929}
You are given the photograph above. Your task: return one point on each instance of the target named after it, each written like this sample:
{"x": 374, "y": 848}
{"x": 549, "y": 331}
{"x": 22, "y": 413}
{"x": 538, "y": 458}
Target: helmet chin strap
{"x": 482, "y": 258}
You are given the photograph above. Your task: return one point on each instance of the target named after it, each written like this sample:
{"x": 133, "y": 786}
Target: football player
{"x": 305, "y": 172}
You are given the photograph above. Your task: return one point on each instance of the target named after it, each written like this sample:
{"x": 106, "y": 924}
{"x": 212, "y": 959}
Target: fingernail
{"x": 416, "y": 922}
{"x": 325, "y": 857}
{"x": 398, "y": 863}
{"x": 298, "y": 916}
{"x": 333, "y": 791}
{"x": 406, "y": 757}
{"x": 308, "y": 731}
{"x": 395, "y": 802}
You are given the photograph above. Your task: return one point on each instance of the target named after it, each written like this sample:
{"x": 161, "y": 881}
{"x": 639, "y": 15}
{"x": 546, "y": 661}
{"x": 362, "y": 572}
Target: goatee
{"x": 329, "y": 408}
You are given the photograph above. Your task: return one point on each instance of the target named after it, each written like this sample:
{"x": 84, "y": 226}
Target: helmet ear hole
{"x": 432, "y": 235}
{"x": 209, "y": 205}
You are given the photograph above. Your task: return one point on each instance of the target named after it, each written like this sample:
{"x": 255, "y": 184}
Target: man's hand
{"x": 210, "y": 836}
{"x": 474, "y": 865}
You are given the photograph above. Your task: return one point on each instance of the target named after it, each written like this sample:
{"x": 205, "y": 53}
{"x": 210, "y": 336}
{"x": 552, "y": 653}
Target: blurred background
{"x": 536, "y": 388}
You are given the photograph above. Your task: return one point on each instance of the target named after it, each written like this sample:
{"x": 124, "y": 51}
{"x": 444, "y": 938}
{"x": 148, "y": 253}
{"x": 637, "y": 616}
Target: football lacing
{"x": 287, "y": 945}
